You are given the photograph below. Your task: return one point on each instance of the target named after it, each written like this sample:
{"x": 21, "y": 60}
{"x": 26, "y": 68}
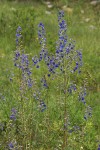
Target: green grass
{"x": 87, "y": 39}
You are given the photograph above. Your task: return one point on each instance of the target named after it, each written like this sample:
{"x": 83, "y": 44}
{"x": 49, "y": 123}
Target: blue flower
{"x": 13, "y": 114}
{"x": 42, "y": 106}
{"x": 18, "y": 35}
{"x": 44, "y": 82}
{"x": 82, "y": 95}
{"x": 71, "y": 88}
{"x": 99, "y": 147}
{"x": 13, "y": 117}
{"x": 11, "y": 145}
{"x": 88, "y": 112}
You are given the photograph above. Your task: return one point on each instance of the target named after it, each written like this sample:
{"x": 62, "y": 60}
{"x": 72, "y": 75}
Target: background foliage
{"x": 83, "y": 22}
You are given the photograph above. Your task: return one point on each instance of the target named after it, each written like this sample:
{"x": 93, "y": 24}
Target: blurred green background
{"x": 83, "y": 21}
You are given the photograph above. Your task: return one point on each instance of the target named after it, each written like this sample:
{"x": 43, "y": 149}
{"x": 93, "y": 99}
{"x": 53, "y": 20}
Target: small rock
{"x": 49, "y": 6}
{"x": 47, "y": 3}
{"x": 94, "y": 3}
{"x": 47, "y": 12}
{"x": 81, "y": 147}
{"x": 2, "y": 55}
{"x": 87, "y": 19}
{"x": 13, "y": 9}
{"x": 64, "y": 7}
{"x": 82, "y": 11}
{"x": 92, "y": 27}
{"x": 67, "y": 9}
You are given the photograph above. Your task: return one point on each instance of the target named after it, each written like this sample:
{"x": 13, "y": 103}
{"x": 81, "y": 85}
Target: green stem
{"x": 65, "y": 108}
{"x": 65, "y": 114}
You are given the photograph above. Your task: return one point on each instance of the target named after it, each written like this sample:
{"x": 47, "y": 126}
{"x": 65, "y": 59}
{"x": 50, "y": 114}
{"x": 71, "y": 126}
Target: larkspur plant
{"x": 41, "y": 117}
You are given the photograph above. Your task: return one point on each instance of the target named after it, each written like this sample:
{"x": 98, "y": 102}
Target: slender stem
{"x": 65, "y": 115}
{"x": 47, "y": 120}
{"x": 65, "y": 109}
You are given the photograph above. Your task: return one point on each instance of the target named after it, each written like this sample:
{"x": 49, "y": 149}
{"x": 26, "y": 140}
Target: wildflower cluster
{"x": 21, "y": 59}
{"x": 88, "y": 112}
{"x": 42, "y": 39}
{"x": 72, "y": 88}
{"x": 13, "y": 114}
{"x": 82, "y": 95}
{"x": 62, "y": 68}
{"x": 66, "y": 59}
{"x": 18, "y": 36}
{"x": 41, "y": 103}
